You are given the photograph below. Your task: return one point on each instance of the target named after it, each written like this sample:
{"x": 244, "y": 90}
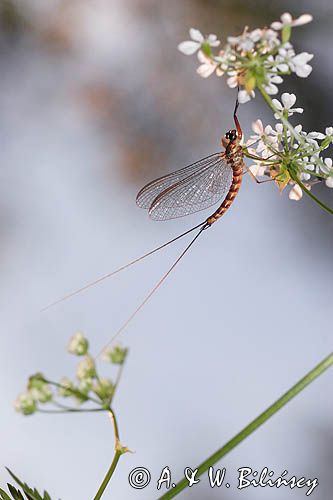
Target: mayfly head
{"x": 229, "y": 138}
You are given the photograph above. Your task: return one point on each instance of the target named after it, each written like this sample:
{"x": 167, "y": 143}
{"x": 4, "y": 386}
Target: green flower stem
{"x": 72, "y": 410}
{"x": 119, "y": 374}
{"x": 108, "y": 475}
{"x": 75, "y": 392}
{"x": 257, "y": 422}
{"x": 308, "y": 192}
{"x": 117, "y": 454}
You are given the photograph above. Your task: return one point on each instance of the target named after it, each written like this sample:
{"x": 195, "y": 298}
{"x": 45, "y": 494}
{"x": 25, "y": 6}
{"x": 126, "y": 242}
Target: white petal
{"x": 233, "y": 40}
{"x": 271, "y": 89}
{"x": 276, "y": 79}
{"x": 317, "y": 135}
{"x": 196, "y": 35}
{"x": 232, "y": 82}
{"x": 329, "y": 182}
{"x": 286, "y": 18}
{"x": 202, "y": 57}
{"x": 328, "y": 162}
{"x": 283, "y": 67}
{"x": 296, "y": 110}
{"x": 276, "y": 26}
{"x": 295, "y": 193}
{"x": 303, "y": 71}
{"x": 244, "y": 97}
{"x": 213, "y": 41}
{"x": 303, "y": 19}
{"x": 257, "y": 127}
{"x": 277, "y": 104}
{"x": 288, "y": 100}
{"x": 302, "y": 58}
{"x": 205, "y": 70}
{"x": 188, "y": 48}
{"x": 329, "y": 131}
{"x": 258, "y": 170}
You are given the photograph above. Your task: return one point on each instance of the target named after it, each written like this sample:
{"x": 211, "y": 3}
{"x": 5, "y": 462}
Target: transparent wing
{"x": 196, "y": 192}
{"x": 149, "y": 192}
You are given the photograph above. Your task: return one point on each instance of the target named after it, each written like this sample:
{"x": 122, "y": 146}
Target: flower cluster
{"x": 84, "y": 387}
{"x": 283, "y": 152}
{"x": 257, "y": 58}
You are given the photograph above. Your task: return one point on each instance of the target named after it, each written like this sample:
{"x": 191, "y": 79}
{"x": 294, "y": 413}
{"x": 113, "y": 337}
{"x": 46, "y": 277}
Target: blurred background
{"x": 95, "y": 101}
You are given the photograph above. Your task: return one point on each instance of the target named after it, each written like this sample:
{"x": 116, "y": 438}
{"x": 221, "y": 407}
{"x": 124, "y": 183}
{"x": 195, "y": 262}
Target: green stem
{"x": 71, "y": 410}
{"x": 75, "y": 392}
{"x": 308, "y": 192}
{"x": 257, "y": 422}
{"x": 117, "y": 454}
{"x": 108, "y": 475}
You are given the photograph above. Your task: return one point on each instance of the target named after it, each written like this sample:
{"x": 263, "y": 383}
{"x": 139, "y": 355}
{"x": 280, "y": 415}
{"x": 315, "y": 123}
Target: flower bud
{"x": 66, "y": 388}
{"x": 25, "y": 404}
{"x": 78, "y": 345}
{"x": 86, "y": 368}
{"x": 85, "y": 385}
{"x": 116, "y": 355}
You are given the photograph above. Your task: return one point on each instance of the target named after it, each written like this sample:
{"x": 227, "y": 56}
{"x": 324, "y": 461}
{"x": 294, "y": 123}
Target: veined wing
{"x": 149, "y": 192}
{"x": 195, "y": 192}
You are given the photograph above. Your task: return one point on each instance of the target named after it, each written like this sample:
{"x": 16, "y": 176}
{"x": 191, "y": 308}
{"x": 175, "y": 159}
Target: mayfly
{"x": 188, "y": 190}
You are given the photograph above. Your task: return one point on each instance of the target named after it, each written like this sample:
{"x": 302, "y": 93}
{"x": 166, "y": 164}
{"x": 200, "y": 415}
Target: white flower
{"x": 257, "y": 169}
{"x": 287, "y": 20}
{"x": 246, "y": 41}
{"x": 270, "y": 87}
{"x": 299, "y": 64}
{"x": 288, "y": 100}
{"x": 78, "y": 345}
{"x": 262, "y": 136}
{"x": 189, "y": 47}
{"x": 244, "y": 96}
{"x": 295, "y": 193}
{"x": 207, "y": 66}
{"x": 329, "y": 131}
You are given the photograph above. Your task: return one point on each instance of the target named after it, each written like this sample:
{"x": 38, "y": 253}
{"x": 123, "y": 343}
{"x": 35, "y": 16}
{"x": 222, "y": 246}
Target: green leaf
{"x": 4, "y": 495}
{"x": 31, "y": 494}
{"x": 16, "y": 494}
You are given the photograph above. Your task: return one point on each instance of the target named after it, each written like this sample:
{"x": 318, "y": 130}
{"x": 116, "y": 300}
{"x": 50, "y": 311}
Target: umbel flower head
{"x": 257, "y": 58}
{"x": 285, "y": 153}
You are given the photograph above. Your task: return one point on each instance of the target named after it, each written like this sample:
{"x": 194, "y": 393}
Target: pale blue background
{"x": 246, "y": 314}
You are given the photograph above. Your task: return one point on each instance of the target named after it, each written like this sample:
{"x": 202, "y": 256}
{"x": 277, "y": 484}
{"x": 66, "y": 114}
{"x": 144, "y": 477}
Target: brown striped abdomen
{"x": 237, "y": 175}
